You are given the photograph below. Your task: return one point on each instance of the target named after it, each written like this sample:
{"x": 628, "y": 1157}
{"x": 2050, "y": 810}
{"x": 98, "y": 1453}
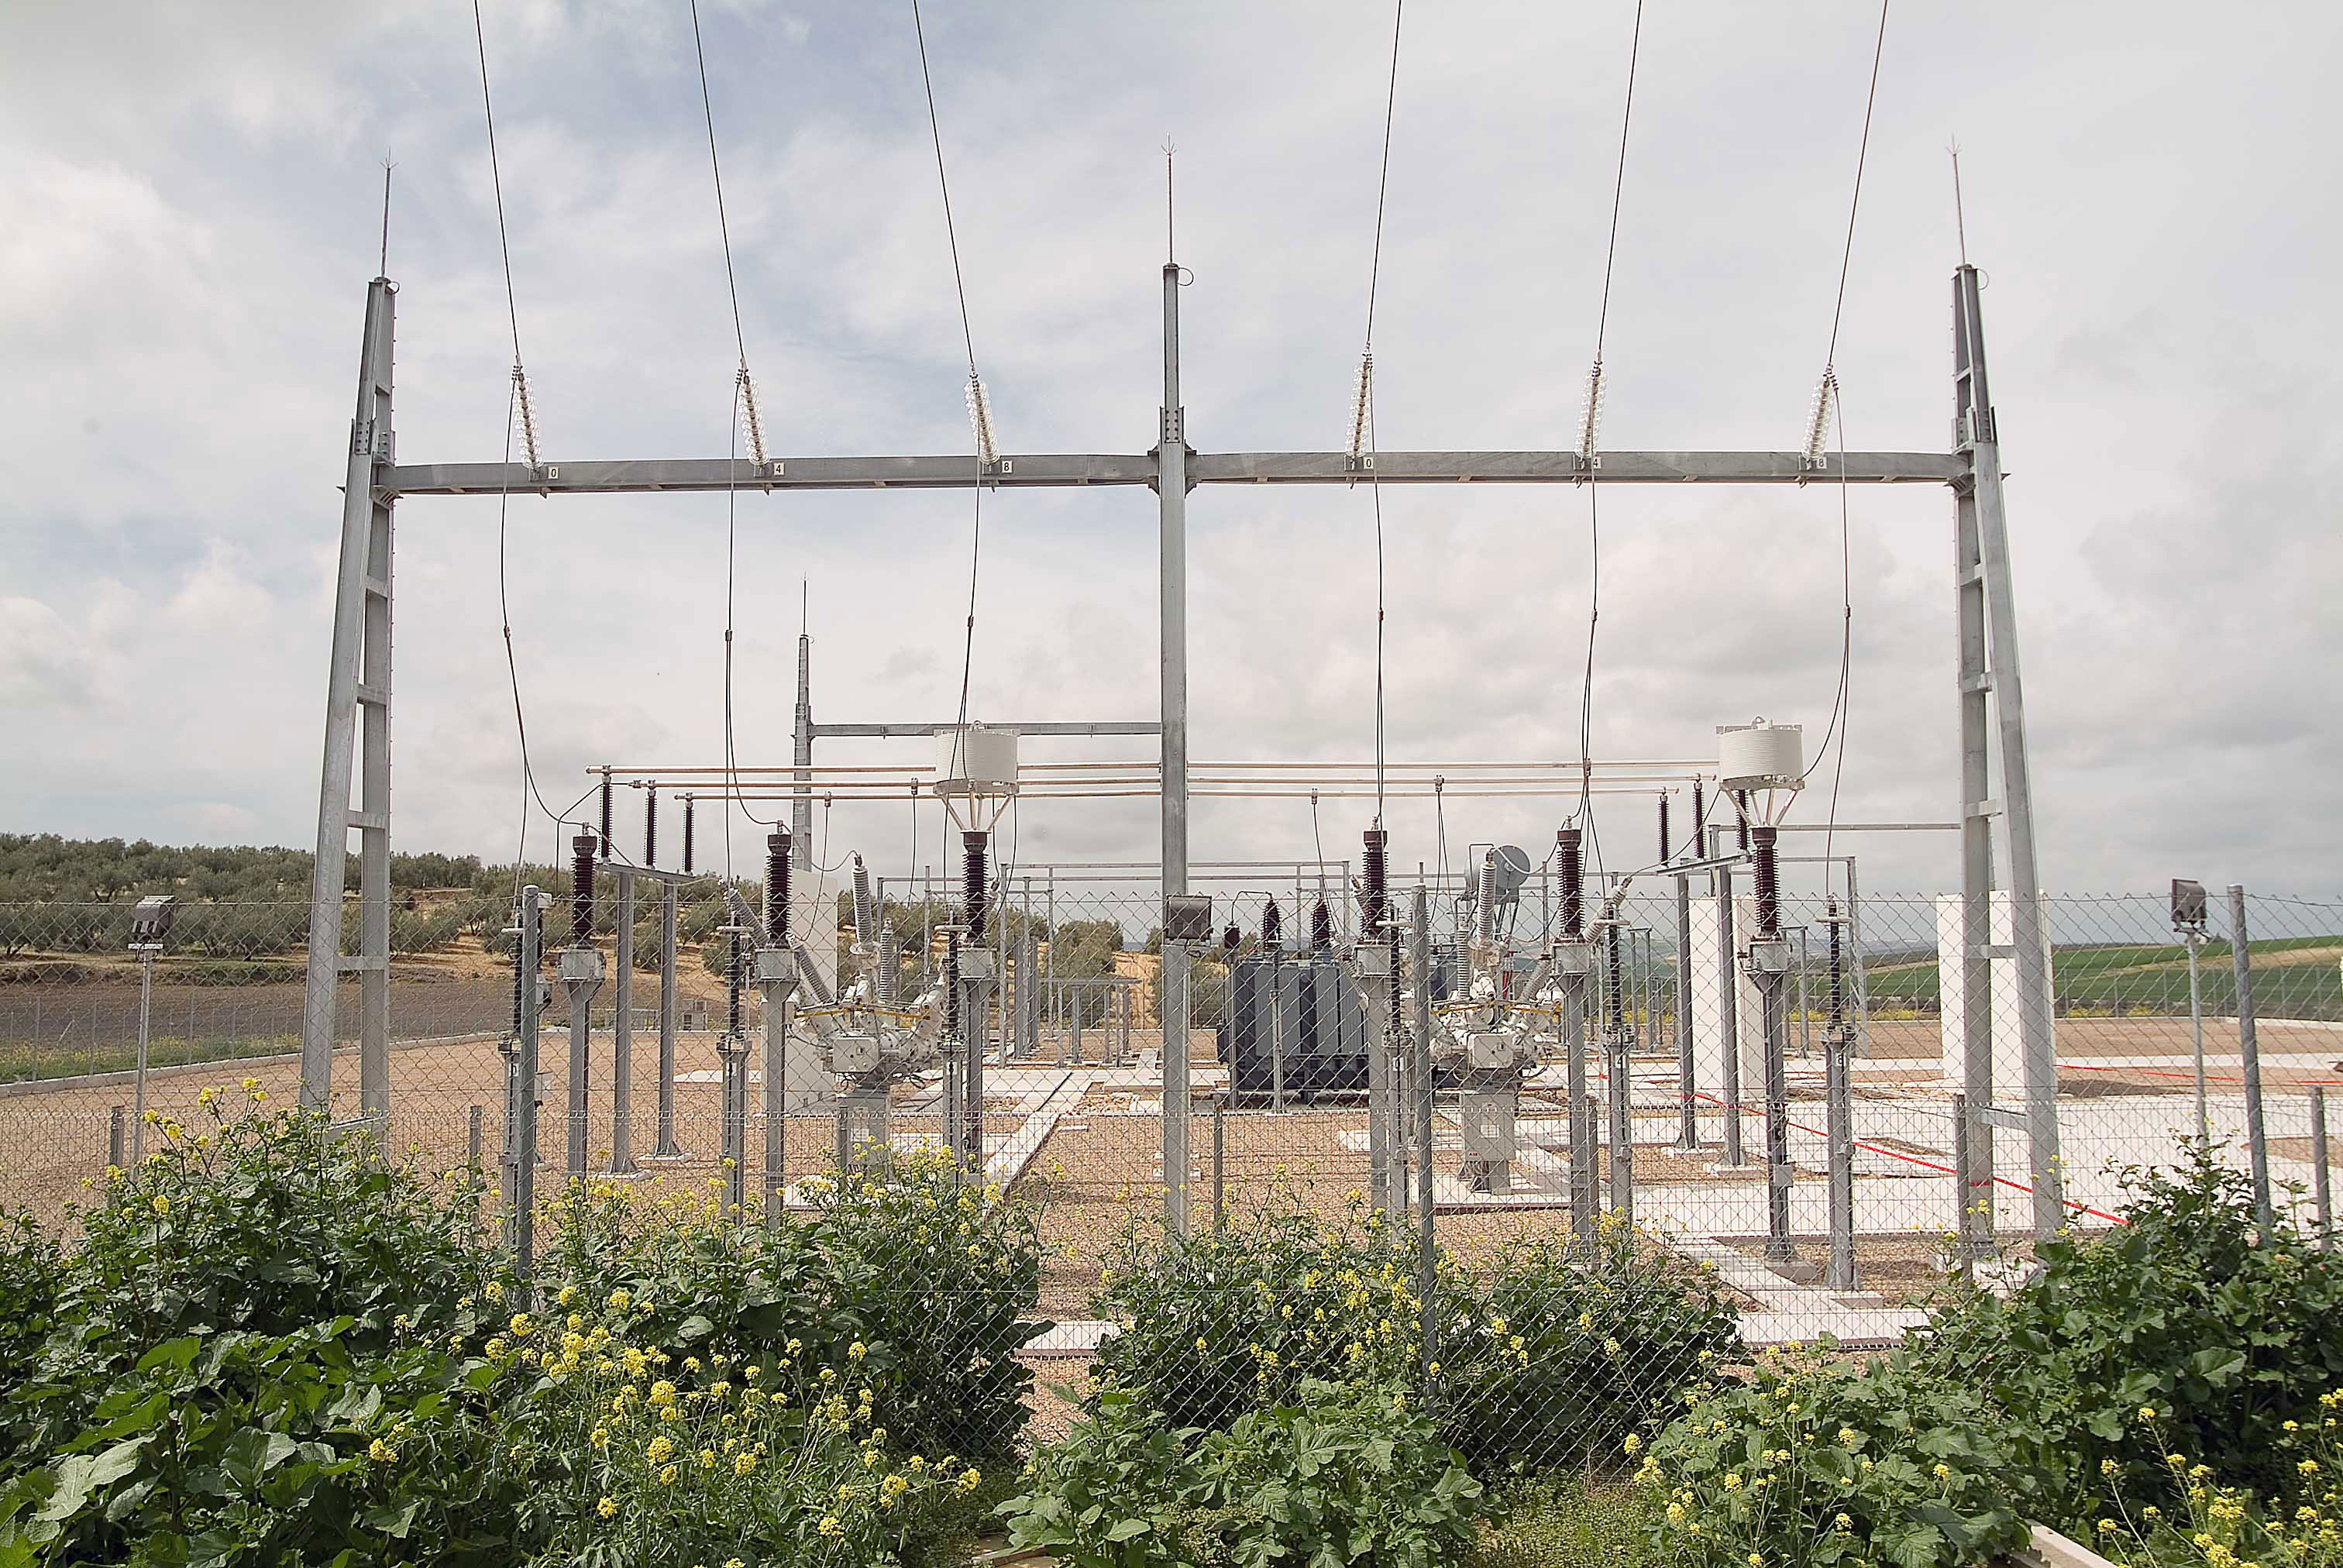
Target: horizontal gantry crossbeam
{"x": 1077, "y": 471}
{"x": 1052, "y": 726}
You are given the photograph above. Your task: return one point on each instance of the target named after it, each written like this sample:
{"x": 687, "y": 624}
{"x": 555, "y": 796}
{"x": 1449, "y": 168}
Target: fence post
{"x": 1427, "y": 1273}
{"x": 1688, "y": 1130}
{"x": 2197, "y": 1033}
{"x": 523, "y": 1108}
{"x": 1840, "y": 1123}
{"x": 114, "y": 1122}
{"x": 1728, "y": 969}
{"x": 664, "y": 1148}
{"x": 2241, "y": 961}
{"x": 1220, "y": 1156}
{"x": 2319, "y": 1179}
{"x": 622, "y": 1034}
{"x": 1965, "y": 1226}
{"x": 472, "y": 1144}
{"x": 146, "y": 1006}
{"x": 1619, "y": 1091}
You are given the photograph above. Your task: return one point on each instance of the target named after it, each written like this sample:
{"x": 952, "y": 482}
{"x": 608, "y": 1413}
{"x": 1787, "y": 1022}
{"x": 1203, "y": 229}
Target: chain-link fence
{"x": 1749, "y": 1149}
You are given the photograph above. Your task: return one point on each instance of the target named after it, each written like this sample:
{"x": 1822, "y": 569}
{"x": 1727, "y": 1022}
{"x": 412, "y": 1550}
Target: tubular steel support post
{"x": 955, "y": 1051}
{"x": 732, "y": 1050}
{"x": 1971, "y": 1223}
{"x": 1985, "y": 529}
{"x": 622, "y": 1032}
{"x": 1839, "y": 1273}
{"x": 1379, "y": 1092}
{"x": 582, "y": 977}
{"x": 1027, "y": 1035}
{"x": 2320, "y": 1177}
{"x": 521, "y": 1134}
{"x": 1427, "y": 1257}
{"x": 1378, "y": 962}
{"x": 1769, "y": 965}
{"x": 1688, "y": 1128}
{"x": 114, "y": 1151}
{"x": 1617, "y": 1061}
{"x": 1585, "y": 1180}
{"x": 138, "y": 1094}
{"x": 1171, "y": 454}
{"x": 1220, "y": 1159}
{"x": 776, "y": 979}
{"x": 1839, "y": 1091}
{"x": 802, "y": 755}
{"x": 664, "y": 1147}
{"x": 580, "y": 1000}
{"x": 2197, "y": 1035}
{"x": 2249, "y": 1048}
{"x": 1860, "y": 1043}
{"x": 1728, "y": 1014}
{"x": 357, "y": 699}
{"x": 776, "y": 1093}
{"x": 975, "y": 974}
{"x": 1964, "y": 1248}
{"x": 1577, "y": 968}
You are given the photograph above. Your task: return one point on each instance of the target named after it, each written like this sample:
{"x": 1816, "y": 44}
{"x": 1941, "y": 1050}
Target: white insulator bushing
{"x": 1593, "y": 421}
{"x": 525, "y": 415}
{"x": 752, "y": 423}
{"x": 1760, "y": 756}
{"x": 979, "y": 419}
{"x": 1361, "y": 399}
{"x": 1818, "y": 421}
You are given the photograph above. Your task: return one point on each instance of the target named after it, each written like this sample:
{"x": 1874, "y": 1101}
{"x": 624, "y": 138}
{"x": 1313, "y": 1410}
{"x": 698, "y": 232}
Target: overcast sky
{"x": 189, "y": 214}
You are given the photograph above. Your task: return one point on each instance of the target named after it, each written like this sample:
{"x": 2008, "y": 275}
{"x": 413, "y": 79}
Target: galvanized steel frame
{"x": 358, "y": 677}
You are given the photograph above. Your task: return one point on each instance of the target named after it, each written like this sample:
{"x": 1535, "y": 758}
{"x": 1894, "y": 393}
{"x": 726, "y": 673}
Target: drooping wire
{"x": 716, "y": 172}
{"x": 1830, "y": 403}
{"x": 496, "y": 179}
{"x": 935, "y": 135}
{"x": 744, "y": 415}
{"x": 844, "y": 855}
{"x": 516, "y": 406}
{"x": 1841, "y": 707}
{"x": 980, "y": 408}
{"x": 1440, "y": 824}
{"x": 1854, "y": 199}
{"x": 1587, "y": 429}
{"x": 1363, "y": 417}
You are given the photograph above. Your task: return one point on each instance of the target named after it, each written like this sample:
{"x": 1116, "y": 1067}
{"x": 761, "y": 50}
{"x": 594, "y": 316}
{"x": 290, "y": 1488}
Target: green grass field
{"x": 2294, "y": 977}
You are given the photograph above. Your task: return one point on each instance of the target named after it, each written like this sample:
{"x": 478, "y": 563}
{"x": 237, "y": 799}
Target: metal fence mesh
{"x": 1543, "y": 1328}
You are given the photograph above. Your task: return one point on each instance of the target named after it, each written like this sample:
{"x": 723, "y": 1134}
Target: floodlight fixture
{"x": 150, "y": 923}
{"x": 1188, "y": 918}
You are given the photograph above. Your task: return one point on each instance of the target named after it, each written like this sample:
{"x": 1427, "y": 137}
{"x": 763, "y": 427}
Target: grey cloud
{"x": 196, "y": 202}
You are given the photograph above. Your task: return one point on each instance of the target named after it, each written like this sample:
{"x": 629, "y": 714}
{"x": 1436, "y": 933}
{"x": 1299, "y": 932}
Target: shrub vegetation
{"x": 274, "y": 1346}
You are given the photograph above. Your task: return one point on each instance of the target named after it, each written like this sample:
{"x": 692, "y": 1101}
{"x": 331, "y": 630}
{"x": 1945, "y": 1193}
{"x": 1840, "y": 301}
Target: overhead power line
{"x": 1362, "y": 413}
{"x": 519, "y": 411}
{"x": 980, "y": 406}
{"x": 745, "y": 420}
{"x": 1830, "y": 408}
{"x": 1588, "y": 429}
